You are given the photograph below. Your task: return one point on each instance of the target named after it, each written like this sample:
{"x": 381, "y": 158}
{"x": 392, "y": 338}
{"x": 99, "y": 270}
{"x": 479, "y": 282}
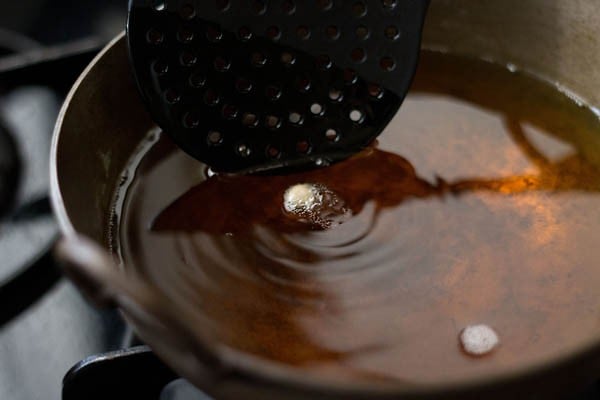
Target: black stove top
{"x": 46, "y": 328}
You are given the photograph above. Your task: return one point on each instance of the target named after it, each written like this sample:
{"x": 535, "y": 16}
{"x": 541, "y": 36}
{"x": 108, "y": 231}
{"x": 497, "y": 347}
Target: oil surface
{"x": 479, "y": 205}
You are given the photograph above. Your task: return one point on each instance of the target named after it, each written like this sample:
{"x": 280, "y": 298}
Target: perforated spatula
{"x": 251, "y": 85}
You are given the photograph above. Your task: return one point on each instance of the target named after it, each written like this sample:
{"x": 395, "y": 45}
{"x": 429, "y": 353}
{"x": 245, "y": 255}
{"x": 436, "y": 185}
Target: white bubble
{"x": 302, "y": 198}
{"x": 479, "y": 340}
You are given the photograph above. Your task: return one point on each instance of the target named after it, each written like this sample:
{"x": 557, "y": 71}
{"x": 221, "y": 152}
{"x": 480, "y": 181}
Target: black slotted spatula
{"x": 254, "y": 85}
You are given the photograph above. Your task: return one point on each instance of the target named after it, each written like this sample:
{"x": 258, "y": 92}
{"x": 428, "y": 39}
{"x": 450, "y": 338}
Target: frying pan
{"x": 103, "y": 121}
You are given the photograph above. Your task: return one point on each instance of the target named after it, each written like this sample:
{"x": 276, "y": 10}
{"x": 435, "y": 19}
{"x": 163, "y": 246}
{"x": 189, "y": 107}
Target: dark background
{"x": 57, "y": 21}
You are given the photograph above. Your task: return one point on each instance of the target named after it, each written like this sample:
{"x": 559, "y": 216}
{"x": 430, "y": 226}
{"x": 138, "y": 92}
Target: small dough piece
{"x": 302, "y": 198}
{"x": 479, "y": 340}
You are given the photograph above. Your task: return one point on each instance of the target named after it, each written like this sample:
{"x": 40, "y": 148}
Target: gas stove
{"x": 53, "y": 344}
{"x": 48, "y": 333}
{"x": 46, "y": 327}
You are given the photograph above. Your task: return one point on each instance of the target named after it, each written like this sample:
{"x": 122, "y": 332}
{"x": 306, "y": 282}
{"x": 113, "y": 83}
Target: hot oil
{"x": 478, "y": 207}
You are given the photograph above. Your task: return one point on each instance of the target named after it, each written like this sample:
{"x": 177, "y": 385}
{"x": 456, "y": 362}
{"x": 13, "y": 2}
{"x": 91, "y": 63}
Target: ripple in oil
{"x": 480, "y": 202}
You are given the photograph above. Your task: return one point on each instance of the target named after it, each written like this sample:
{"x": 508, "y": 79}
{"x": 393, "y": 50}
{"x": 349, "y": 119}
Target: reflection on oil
{"x": 479, "y": 203}
{"x": 240, "y": 204}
